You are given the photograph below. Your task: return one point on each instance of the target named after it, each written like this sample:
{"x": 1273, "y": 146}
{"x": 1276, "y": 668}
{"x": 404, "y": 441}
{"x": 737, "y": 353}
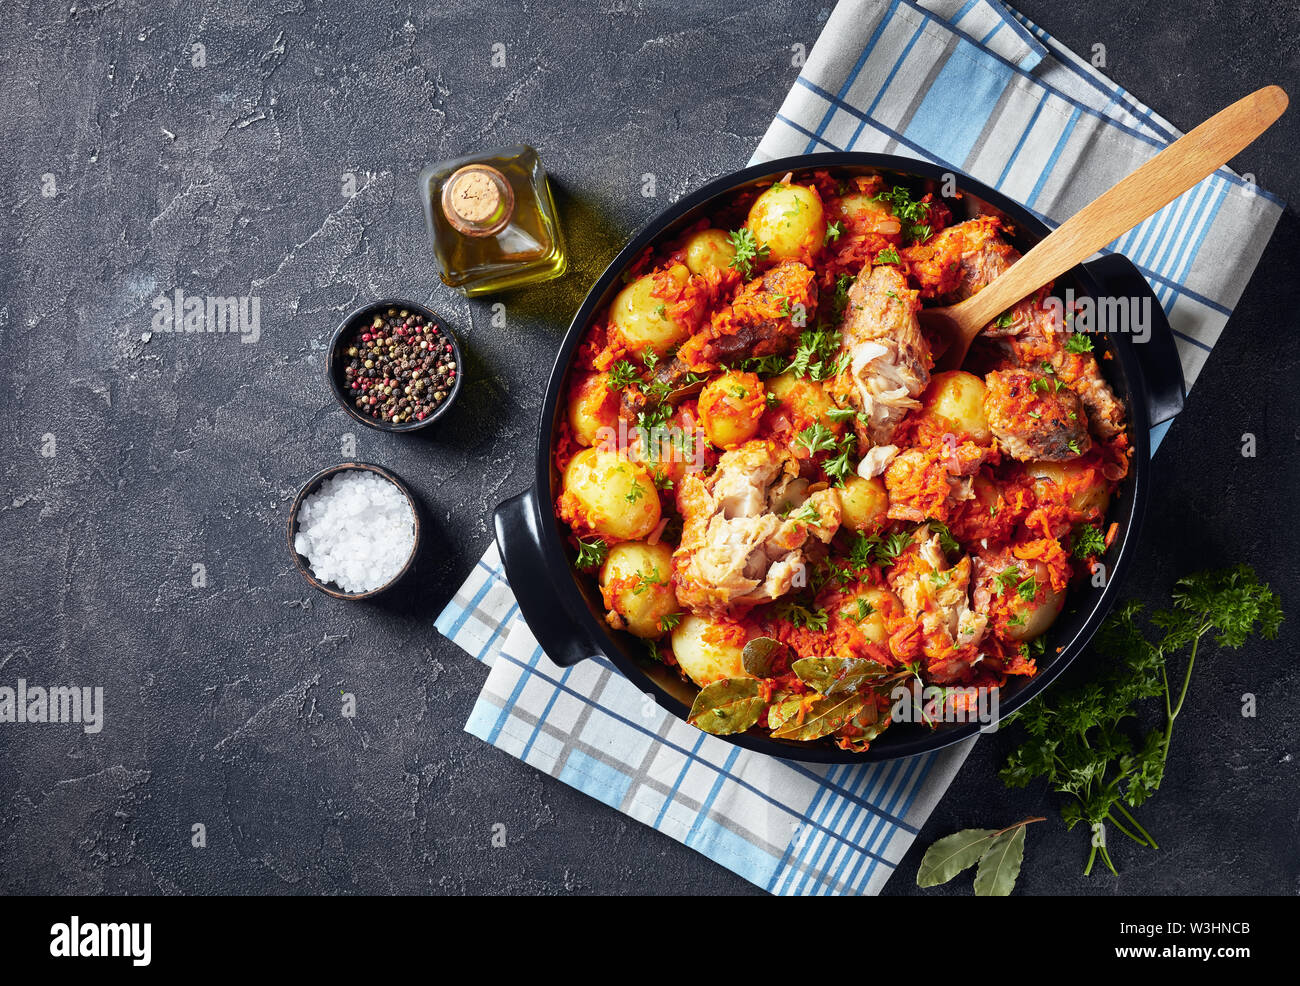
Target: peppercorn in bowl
{"x": 394, "y": 365}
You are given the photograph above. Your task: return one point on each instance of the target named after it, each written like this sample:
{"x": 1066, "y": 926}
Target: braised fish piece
{"x": 764, "y": 319}
{"x": 1035, "y": 417}
{"x": 888, "y": 357}
{"x": 746, "y": 528}
{"x": 1042, "y": 345}
{"x": 936, "y": 595}
{"x": 960, "y": 260}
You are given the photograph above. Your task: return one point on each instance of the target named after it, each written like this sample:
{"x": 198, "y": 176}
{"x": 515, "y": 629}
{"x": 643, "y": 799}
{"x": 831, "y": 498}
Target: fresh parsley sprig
{"x": 1075, "y": 740}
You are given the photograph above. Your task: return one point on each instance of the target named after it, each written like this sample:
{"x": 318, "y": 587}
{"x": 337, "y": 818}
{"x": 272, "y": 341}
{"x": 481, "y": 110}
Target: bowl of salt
{"x": 354, "y": 530}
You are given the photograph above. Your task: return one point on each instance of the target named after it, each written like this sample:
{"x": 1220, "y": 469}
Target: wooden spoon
{"x": 1154, "y": 185}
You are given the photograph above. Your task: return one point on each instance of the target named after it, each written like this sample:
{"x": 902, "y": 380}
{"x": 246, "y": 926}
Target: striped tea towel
{"x": 970, "y": 84}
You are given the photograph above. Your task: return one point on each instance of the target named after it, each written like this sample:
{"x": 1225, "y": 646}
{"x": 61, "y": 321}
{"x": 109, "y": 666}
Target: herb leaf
{"x": 825, "y": 715}
{"x": 747, "y": 250}
{"x": 836, "y": 675}
{"x": 1078, "y": 742}
{"x": 728, "y": 706}
{"x": 1000, "y": 865}
{"x": 952, "y": 854}
{"x": 760, "y": 655}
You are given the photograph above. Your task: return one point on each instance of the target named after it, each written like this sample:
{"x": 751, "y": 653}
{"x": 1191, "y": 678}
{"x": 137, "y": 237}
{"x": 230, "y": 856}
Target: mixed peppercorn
{"x": 399, "y": 367}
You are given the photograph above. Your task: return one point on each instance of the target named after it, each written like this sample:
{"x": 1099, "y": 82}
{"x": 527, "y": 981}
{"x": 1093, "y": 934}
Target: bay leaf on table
{"x": 1000, "y": 865}
{"x": 952, "y": 854}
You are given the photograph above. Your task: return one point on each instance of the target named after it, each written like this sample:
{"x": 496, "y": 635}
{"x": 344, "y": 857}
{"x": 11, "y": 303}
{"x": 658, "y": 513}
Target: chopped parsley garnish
{"x": 764, "y": 365}
{"x": 947, "y": 542}
{"x": 913, "y": 215}
{"x": 840, "y": 467}
{"x": 644, "y": 582}
{"x": 747, "y": 250}
{"x": 833, "y": 231}
{"x": 816, "y": 438}
{"x": 1028, "y": 589}
{"x": 818, "y": 355}
{"x": 591, "y": 553}
{"x": 880, "y": 549}
{"x": 888, "y": 256}
{"x": 1088, "y": 542}
{"x": 669, "y": 622}
{"x": 1077, "y": 342}
{"x": 864, "y": 609}
{"x": 622, "y": 374}
{"x": 1006, "y": 579}
{"x": 807, "y": 514}
{"x": 802, "y": 616}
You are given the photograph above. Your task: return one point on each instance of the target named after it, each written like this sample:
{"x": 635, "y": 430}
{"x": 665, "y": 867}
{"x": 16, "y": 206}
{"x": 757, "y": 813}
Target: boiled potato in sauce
{"x": 636, "y": 584}
{"x": 592, "y": 407}
{"x": 863, "y": 504}
{"x": 954, "y": 400}
{"x": 730, "y": 408}
{"x": 709, "y": 249}
{"x": 607, "y": 494}
{"x": 709, "y": 649}
{"x": 789, "y": 221}
{"x": 639, "y": 315}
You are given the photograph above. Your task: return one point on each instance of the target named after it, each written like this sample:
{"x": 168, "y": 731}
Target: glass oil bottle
{"x": 492, "y": 221}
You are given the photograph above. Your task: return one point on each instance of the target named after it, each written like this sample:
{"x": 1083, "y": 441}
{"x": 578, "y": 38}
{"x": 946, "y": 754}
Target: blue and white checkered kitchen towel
{"x": 975, "y": 86}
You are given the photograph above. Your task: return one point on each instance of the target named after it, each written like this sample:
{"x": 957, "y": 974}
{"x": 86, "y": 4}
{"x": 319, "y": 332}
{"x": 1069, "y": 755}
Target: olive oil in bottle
{"x": 492, "y": 221}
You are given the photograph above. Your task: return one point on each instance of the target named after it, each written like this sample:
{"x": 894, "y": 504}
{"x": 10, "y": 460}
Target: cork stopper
{"x": 478, "y": 200}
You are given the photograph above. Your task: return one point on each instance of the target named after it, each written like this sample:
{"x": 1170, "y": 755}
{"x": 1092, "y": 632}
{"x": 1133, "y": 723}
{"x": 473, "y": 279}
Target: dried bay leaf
{"x": 1000, "y": 865}
{"x": 825, "y": 715}
{"x": 952, "y": 854}
{"x": 760, "y": 654}
{"x": 728, "y": 706}
{"x": 836, "y": 675}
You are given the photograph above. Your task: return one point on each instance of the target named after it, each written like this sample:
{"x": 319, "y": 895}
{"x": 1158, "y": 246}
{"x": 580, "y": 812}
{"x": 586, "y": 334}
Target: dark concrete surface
{"x": 222, "y": 700}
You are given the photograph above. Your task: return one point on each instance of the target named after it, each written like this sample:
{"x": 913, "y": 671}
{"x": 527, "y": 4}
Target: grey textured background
{"x": 223, "y": 702}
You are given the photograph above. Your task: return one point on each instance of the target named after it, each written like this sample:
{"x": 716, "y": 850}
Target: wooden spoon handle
{"x": 1180, "y": 166}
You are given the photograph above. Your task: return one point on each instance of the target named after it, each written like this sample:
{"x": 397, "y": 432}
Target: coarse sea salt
{"x": 357, "y": 530}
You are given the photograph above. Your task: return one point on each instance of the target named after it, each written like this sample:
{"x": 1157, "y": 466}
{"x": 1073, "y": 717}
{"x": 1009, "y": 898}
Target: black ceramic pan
{"x": 564, "y": 609}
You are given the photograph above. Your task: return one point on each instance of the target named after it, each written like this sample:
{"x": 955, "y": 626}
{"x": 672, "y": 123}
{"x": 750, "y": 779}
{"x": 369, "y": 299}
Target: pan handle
{"x": 1162, "y": 370}
{"x": 532, "y": 580}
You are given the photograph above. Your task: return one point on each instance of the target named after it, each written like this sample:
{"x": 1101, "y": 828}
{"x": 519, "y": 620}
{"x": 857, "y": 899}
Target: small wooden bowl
{"x": 310, "y": 487}
{"x": 335, "y": 362}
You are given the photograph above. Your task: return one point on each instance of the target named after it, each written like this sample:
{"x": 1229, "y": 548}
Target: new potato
{"x": 1036, "y": 616}
{"x": 592, "y": 406}
{"x": 789, "y": 221}
{"x": 610, "y": 495}
{"x": 636, "y": 584}
{"x": 1089, "y": 501}
{"x": 707, "y": 651}
{"x": 955, "y": 400}
{"x": 863, "y": 503}
{"x": 730, "y": 407}
{"x": 639, "y": 317}
{"x": 709, "y": 249}
{"x": 879, "y": 603}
